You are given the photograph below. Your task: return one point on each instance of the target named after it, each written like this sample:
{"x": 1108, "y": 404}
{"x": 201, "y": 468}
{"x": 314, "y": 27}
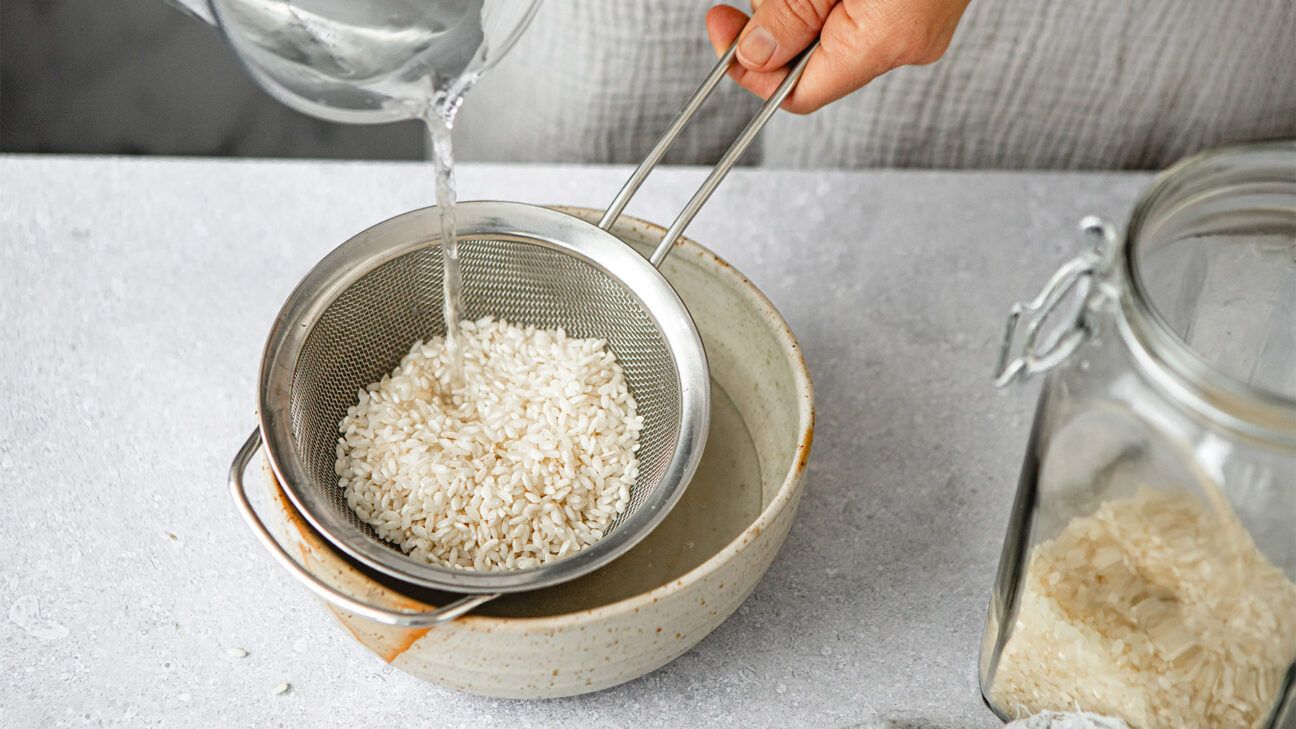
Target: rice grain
{"x": 527, "y": 456}
{"x": 1154, "y": 609}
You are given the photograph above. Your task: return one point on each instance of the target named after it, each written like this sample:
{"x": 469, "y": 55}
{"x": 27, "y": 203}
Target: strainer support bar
{"x": 423, "y": 619}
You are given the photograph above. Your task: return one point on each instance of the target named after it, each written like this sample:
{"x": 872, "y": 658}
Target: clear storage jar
{"x": 1149, "y": 566}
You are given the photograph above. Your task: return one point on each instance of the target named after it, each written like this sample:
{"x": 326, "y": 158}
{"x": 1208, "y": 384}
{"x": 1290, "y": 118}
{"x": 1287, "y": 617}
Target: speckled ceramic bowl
{"x": 657, "y": 601}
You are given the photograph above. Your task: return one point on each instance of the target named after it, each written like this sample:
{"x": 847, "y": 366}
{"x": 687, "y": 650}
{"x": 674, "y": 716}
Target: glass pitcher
{"x": 366, "y": 61}
{"x": 1149, "y": 566}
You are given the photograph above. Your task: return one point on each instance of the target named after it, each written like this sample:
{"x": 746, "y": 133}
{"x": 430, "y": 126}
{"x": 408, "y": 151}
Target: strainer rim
{"x": 405, "y": 233}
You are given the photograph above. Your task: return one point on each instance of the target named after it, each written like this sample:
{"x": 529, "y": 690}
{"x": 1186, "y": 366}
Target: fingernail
{"x": 756, "y": 47}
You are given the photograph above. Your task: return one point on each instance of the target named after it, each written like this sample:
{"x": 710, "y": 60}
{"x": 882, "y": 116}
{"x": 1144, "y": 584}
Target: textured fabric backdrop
{"x": 598, "y": 81}
{"x": 1080, "y": 84}
{"x": 1027, "y": 83}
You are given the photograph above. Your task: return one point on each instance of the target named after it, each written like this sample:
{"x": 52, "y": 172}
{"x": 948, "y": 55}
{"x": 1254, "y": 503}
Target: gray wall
{"x": 140, "y": 77}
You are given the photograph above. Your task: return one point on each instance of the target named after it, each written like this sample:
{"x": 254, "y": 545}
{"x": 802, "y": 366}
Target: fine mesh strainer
{"x": 360, "y": 309}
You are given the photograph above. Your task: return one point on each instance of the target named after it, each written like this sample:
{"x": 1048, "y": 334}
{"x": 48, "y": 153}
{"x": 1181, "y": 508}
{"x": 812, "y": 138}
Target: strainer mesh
{"x": 364, "y": 333}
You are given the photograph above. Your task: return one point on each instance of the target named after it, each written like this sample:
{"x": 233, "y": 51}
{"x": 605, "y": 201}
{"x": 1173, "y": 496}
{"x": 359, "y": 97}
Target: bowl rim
{"x": 787, "y": 490}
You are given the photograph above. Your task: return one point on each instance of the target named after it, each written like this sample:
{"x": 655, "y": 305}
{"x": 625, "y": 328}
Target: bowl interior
{"x": 758, "y": 415}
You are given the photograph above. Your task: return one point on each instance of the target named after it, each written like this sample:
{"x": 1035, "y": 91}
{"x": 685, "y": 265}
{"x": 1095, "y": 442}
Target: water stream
{"x": 440, "y": 124}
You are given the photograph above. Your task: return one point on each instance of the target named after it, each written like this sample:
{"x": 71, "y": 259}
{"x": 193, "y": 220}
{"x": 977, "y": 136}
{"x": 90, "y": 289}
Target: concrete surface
{"x": 134, "y": 297}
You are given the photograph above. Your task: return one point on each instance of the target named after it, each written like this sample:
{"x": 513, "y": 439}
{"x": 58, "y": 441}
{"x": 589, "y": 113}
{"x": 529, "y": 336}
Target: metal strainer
{"x": 357, "y": 312}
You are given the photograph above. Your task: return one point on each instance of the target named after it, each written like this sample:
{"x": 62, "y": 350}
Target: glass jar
{"x": 1149, "y": 566}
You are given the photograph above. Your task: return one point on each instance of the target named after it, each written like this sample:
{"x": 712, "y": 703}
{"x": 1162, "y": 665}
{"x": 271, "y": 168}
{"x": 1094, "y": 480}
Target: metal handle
{"x": 722, "y": 167}
{"x": 1077, "y": 274}
{"x": 402, "y": 618}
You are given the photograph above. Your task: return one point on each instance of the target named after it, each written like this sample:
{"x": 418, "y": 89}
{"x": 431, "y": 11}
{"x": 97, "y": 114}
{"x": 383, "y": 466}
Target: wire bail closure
{"x": 1078, "y": 276}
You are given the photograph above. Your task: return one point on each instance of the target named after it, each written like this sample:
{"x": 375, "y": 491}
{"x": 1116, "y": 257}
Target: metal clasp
{"x": 1075, "y": 280}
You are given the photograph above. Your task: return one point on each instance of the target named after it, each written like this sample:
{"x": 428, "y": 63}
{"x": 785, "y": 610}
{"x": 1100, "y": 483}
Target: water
{"x": 722, "y": 500}
{"x": 377, "y": 61}
{"x": 440, "y": 124}
{"x": 361, "y": 62}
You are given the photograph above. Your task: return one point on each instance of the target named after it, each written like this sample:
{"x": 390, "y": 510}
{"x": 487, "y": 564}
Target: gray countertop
{"x": 134, "y": 299}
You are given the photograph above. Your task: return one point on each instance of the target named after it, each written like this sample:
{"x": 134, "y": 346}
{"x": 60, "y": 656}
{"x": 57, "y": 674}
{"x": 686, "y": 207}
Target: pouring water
{"x": 376, "y": 61}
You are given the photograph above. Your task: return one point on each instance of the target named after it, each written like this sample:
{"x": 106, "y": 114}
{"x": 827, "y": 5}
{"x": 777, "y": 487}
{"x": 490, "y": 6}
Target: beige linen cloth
{"x": 1060, "y": 84}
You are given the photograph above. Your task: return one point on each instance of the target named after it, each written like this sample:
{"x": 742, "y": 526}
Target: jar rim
{"x": 1256, "y": 410}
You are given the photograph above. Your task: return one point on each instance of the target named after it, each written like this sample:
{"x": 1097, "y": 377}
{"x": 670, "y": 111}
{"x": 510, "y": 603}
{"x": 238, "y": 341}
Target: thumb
{"x": 780, "y": 29}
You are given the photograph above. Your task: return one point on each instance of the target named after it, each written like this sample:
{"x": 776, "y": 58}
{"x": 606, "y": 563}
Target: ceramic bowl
{"x": 656, "y": 602}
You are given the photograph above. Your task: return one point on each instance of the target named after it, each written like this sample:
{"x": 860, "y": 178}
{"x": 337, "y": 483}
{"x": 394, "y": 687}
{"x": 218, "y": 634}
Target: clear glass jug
{"x": 1149, "y": 563}
{"x": 366, "y": 61}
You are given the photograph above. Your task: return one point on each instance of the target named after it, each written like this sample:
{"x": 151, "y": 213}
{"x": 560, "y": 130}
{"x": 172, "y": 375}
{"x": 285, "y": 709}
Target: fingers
{"x": 779, "y": 30}
{"x": 853, "y": 50}
{"x": 724, "y": 23}
{"x": 858, "y": 41}
{"x": 863, "y": 39}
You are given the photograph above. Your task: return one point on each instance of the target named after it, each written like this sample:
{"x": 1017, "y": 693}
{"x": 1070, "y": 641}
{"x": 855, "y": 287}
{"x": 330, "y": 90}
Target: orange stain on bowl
{"x": 409, "y": 638}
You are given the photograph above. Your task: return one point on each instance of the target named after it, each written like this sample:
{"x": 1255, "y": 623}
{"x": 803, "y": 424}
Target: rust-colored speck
{"x": 306, "y": 546}
{"x": 293, "y": 517}
{"x": 659, "y": 630}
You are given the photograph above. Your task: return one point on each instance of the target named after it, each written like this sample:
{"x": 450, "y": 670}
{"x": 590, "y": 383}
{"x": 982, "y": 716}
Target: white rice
{"x": 1154, "y": 609}
{"x": 527, "y": 457}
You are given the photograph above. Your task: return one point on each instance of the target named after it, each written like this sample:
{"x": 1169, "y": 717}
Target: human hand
{"x": 859, "y": 40}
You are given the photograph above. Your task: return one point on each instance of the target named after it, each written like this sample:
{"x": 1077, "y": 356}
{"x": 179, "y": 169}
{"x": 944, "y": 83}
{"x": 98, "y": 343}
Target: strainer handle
{"x": 722, "y": 167}
{"x": 421, "y": 619}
